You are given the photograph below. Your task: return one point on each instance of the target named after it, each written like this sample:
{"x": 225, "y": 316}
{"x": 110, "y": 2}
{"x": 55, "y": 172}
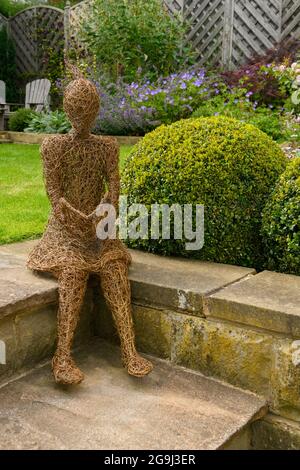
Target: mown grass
{"x": 24, "y": 207}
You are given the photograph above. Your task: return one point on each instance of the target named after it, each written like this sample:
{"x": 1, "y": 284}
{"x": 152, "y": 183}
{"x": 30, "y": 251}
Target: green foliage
{"x": 129, "y": 36}
{"x": 10, "y": 8}
{"x": 7, "y": 64}
{"x": 281, "y": 222}
{"x": 20, "y": 119}
{"x": 228, "y": 166}
{"x": 269, "y": 122}
{"x": 54, "y": 122}
{"x": 237, "y": 105}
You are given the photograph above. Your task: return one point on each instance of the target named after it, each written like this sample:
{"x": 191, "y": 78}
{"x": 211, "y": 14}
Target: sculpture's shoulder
{"x": 106, "y": 143}
{"x": 54, "y": 142}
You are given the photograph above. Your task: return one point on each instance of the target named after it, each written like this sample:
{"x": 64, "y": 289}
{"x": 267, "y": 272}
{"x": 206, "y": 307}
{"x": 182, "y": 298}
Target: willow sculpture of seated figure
{"x": 78, "y": 168}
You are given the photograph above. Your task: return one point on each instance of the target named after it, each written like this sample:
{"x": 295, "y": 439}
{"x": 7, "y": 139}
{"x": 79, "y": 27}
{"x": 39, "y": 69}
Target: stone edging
{"x": 31, "y": 138}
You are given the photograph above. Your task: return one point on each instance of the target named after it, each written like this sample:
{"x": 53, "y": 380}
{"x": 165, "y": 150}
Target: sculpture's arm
{"x": 52, "y": 175}
{"x": 113, "y": 177}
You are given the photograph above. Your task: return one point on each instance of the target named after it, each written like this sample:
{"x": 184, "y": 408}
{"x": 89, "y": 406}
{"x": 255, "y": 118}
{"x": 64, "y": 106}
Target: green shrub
{"x": 54, "y": 122}
{"x": 10, "y": 8}
{"x": 263, "y": 118}
{"x": 269, "y": 122}
{"x": 228, "y": 166}
{"x": 20, "y": 119}
{"x": 127, "y": 36}
{"x": 281, "y": 222}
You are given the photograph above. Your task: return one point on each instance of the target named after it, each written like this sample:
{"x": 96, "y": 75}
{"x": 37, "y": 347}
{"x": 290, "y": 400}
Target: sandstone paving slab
{"x": 172, "y": 408}
{"x": 268, "y": 300}
{"x": 20, "y": 249}
{"x": 20, "y": 288}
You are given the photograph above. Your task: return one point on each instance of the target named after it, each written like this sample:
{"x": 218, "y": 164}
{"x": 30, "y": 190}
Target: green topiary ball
{"x": 228, "y": 166}
{"x": 281, "y": 222}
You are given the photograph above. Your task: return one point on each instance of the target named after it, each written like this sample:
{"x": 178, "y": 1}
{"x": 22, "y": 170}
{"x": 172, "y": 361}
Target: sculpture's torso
{"x": 80, "y": 171}
{"x": 83, "y": 169}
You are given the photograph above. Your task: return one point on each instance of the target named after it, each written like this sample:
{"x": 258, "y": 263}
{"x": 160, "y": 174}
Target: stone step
{"x": 172, "y": 408}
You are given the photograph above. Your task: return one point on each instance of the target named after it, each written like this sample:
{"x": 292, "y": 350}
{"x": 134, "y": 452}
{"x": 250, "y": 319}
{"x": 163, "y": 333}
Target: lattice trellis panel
{"x": 31, "y": 29}
{"x": 206, "y": 20}
{"x": 175, "y": 6}
{"x": 3, "y": 22}
{"x": 290, "y": 18}
{"x": 256, "y": 27}
{"x": 77, "y": 14}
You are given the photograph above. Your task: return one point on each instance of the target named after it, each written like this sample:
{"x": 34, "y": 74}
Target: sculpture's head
{"x": 81, "y": 104}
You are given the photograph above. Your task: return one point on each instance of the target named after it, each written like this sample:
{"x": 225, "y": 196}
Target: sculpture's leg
{"x": 116, "y": 290}
{"x": 72, "y": 287}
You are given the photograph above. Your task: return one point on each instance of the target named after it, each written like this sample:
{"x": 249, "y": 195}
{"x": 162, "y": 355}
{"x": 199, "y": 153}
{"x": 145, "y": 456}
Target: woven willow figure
{"x": 77, "y": 169}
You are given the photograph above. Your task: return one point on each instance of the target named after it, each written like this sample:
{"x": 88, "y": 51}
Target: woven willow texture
{"x": 78, "y": 168}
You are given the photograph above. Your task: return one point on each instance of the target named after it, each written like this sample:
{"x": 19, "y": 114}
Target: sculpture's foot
{"x": 65, "y": 370}
{"x": 138, "y": 366}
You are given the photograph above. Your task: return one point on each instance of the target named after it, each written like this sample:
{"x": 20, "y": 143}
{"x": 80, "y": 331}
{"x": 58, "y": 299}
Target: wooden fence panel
{"x": 76, "y": 15}
{"x": 3, "y": 21}
{"x": 206, "y": 20}
{"x": 30, "y": 30}
{"x": 256, "y": 28}
{"x": 290, "y": 19}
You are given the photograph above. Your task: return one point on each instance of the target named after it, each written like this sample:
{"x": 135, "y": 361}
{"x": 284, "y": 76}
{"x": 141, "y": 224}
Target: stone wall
{"x": 245, "y": 333}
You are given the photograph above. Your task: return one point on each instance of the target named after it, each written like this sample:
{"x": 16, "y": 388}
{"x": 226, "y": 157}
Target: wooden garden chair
{"x": 4, "y": 107}
{"x": 37, "y": 98}
{"x": 38, "y": 94}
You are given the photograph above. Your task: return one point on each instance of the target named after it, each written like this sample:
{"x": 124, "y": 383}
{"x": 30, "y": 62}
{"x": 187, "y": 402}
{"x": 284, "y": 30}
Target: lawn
{"x": 23, "y": 202}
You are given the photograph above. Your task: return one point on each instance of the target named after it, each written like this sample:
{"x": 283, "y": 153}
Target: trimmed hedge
{"x": 228, "y": 166}
{"x": 281, "y": 222}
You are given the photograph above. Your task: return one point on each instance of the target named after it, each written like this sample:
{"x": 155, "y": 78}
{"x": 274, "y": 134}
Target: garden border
{"x": 34, "y": 138}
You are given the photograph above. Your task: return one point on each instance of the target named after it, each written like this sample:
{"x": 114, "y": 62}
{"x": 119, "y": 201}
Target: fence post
{"x": 228, "y": 34}
{"x": 67, "y": 28}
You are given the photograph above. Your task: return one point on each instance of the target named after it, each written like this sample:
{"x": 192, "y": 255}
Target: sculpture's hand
{"x": 73, "y": 219}
{"x": 93, "y": 215}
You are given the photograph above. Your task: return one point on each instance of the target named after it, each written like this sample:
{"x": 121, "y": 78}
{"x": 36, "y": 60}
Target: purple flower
{"x": 183, "y": 86}
{"x": 198, "y": 82}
